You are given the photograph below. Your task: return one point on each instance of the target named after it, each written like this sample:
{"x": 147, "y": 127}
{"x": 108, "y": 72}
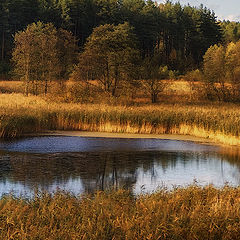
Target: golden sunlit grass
{"x": 11, "y": 86}
{"x": 20, "y": 114}
{"x": 179, "y": 87}
{"x": 191, "y": 213}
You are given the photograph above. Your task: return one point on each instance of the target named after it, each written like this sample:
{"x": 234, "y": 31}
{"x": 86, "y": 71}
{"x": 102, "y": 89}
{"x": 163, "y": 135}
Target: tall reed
{"x": 19, "y": 115}
{"x": 191, "y": 213}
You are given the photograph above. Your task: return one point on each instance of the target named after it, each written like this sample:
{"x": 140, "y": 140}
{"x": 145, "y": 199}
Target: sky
{"x": 224, "y": 9}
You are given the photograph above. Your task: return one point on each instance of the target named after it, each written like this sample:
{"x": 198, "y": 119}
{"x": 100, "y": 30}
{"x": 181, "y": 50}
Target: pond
{"x": 86, "y": 164}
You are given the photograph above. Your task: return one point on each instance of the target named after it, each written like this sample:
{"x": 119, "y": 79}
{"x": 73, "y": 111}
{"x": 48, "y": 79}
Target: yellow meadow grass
{"x": 20, "y": 114}
{"x": 190, "y": 213}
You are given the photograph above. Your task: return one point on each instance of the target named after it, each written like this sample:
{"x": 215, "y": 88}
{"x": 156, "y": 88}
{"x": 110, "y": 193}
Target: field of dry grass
{"x": 11, "y": 87}
{"x": 179, "y": 89}
{"x": 20, "y": 114}
{"x": 191, "y": 213}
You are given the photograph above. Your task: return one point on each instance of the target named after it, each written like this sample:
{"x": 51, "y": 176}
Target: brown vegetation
{"x": 20, "y": 114}
{"x": 191, "y": 213}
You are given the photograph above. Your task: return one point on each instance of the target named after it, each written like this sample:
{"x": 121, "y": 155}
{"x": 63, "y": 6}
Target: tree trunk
{"x": 27, "y": 76}
{"x": 46, "y": 87}
{"x": 3, "y": 45}
{"x": 115, "y": 82}
{"x": 103, "y": 175}
{"x": 154, "y": 97}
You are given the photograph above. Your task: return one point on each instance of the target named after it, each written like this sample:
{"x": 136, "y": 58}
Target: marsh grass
{"x": 190, "y": 213}
{"x": 20, "y": 115}
{"x": 11, "y": 87}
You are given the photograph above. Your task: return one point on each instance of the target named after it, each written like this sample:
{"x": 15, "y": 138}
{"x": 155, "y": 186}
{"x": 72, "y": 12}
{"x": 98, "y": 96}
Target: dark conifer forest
{"x": 117, "y": 43}
{"x": 178, "y": 36}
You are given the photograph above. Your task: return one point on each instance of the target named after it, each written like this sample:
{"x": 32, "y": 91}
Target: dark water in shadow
{"x": 81, "y": 164}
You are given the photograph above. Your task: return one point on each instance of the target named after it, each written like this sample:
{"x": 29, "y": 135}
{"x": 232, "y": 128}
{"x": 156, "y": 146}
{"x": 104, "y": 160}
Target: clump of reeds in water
{"x": 19, "y": 115}
{"x": 191, "y": 213}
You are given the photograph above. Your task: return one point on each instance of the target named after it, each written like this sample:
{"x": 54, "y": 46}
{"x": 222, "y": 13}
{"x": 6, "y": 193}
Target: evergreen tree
{"x": 231, "y": 31}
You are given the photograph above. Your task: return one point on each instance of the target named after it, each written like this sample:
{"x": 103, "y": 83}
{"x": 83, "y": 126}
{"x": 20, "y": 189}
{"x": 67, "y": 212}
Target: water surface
{"x": 84, "y": 164}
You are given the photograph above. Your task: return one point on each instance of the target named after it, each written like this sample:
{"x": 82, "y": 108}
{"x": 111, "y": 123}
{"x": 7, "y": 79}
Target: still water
{"x": 83, "y": 164}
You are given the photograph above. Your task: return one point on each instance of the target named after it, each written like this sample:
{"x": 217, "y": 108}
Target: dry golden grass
{"x": 191, "y": 213}
{"x": 11, "y": 87}
{"x": 178, "y": 87}
{"x": 20, "y": 114}
{"x": 175, "y": 88}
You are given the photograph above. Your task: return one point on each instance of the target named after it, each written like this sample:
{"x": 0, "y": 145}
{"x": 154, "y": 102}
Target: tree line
{"x": 176, "y": 32}
{"x": 107, "y": 41}
{"x": 221, "y": 71}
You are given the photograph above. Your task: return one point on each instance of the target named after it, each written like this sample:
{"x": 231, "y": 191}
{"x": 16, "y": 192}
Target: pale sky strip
{"x": 228, "y": 10}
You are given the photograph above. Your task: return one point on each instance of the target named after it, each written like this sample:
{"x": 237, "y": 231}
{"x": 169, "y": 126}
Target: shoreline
{"x": 176, "y": 137}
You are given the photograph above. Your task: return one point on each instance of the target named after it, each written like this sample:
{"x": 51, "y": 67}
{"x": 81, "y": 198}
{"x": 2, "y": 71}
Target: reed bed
{"x": 11, "y": 87}
{"x": 20, "y": 115}
{"x": 190, "y": 213}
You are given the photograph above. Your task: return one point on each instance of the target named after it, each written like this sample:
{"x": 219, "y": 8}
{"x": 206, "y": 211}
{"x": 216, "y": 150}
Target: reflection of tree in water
{"x": 96, "y": 170}
{"x": 109, "y": 170}
{"x": 231, "y": 155}
{"x": 5, "y": 167}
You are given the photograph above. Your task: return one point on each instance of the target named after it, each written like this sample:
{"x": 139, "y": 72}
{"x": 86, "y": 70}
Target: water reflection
{"x": 135, "y": 164}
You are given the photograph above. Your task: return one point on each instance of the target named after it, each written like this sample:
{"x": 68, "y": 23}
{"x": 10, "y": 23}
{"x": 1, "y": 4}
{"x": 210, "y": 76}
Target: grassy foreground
{"x": 20, "y": 114}
{"x": 191, "y": 213}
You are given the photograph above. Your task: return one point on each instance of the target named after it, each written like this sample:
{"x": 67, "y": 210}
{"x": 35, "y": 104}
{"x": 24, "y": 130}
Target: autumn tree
{"x": 153, "y": 76}
{"x": 214, "y": 72}
{"x": 40, "y": 55}
{"x": 232, "y": 68}
{"x": 110, "y": 56}
{"x": 222, "y": 71}
{"x": 66, "y": 53}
